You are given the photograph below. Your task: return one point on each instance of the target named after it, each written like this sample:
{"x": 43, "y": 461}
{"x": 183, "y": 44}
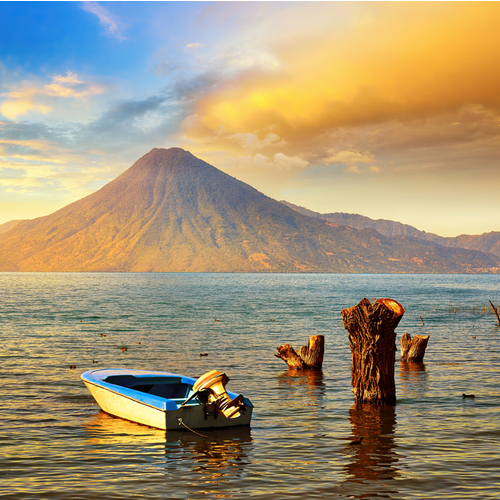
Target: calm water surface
{"x": 57, "y": 444}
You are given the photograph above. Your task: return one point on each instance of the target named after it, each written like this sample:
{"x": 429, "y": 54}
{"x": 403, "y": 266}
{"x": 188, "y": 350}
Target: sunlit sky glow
{"x": 386, "y": 109}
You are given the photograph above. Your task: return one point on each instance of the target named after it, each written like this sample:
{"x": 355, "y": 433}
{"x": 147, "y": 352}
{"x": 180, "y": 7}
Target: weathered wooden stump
{"x": 309, "y": 357}
{"x": 413, "y": 349}
{"x": 371, "y": 327}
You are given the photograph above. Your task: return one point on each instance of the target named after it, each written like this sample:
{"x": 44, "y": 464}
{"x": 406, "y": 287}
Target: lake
{"x": 57, "y": 444}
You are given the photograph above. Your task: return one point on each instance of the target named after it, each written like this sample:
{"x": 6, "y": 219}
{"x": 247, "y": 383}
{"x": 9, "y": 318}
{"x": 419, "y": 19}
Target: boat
{"x": 167, "y": 400}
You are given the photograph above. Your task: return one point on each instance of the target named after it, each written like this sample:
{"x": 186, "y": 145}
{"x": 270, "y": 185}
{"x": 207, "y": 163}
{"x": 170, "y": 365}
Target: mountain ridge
{"x": 486, "y": 242}
{"x": 172, "y": 212}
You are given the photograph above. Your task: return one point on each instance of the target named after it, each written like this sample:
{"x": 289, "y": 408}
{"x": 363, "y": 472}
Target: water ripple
{"x": 433, "y": 444}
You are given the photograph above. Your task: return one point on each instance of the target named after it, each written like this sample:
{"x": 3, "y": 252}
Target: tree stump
{"x": 372, "y": 336}
{"x": 309, "y": 357}
{"x": 413, "y": 350}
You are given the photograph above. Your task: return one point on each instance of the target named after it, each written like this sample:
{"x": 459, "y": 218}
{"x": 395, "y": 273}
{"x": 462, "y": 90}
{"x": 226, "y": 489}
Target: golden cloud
{"x": 21, "y": 102}
{"x": 31, "y": 97}
{"x": 347, "y": 157}
{"x": 390, "y": 61}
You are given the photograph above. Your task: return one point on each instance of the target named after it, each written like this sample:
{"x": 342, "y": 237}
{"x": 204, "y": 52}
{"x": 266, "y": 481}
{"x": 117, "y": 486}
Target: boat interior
{"x": 165, "y": 387}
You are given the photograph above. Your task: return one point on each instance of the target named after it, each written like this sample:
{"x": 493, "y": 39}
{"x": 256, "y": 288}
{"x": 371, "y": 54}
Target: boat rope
{"x": 189, "y": 429}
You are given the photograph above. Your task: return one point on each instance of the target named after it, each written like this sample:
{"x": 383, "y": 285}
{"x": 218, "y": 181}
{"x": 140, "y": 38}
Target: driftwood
{"x": 371, "y": 327}
{"x": 413, "y": 349}
{"x": 496, "y": 312}
{"x": 308, "y": 357}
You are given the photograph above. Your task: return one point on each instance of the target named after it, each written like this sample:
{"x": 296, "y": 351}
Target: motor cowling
{"x": 215, "y": 382}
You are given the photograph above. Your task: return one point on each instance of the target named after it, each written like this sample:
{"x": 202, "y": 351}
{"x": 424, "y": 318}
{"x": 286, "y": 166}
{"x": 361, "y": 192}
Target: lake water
{"x": 57, "y": 444}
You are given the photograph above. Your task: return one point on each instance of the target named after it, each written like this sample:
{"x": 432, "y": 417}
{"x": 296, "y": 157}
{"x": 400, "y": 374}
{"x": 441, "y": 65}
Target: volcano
{"x": 172, "y": 212}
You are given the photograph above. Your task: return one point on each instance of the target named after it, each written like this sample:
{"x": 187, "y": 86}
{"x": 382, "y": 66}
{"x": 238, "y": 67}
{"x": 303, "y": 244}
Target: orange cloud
{"x": 388, "y": 61}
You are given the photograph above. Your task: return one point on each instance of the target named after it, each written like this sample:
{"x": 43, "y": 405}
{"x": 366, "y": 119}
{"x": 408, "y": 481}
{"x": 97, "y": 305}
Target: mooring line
{"x": 189, "y": 429}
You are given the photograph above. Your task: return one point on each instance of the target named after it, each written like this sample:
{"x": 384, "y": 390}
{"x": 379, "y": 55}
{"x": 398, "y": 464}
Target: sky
{"x": 390, "y": 110}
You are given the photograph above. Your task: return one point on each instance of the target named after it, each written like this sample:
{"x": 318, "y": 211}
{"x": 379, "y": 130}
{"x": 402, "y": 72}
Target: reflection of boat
{"x": 106, "y": 431}
{"x": 225, "y": 453}
{"x": 167, "y": 400}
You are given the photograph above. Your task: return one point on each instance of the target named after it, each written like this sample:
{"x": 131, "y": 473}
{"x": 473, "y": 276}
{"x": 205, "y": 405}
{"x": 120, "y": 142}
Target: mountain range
{"x": 487, "y": 242}
{"x": 172, "y": 212}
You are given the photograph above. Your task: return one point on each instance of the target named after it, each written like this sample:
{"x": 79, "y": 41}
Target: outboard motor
{"x": 215, "y": 382}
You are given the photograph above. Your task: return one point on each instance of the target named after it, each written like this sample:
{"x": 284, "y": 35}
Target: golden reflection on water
{"x": 375, "y": 458}
{"x": 295, "y": 381}
{"x": 215, "y": 456}
{"x": 413, "y": 377}
{"x": 104, "y": 429}
{"x": 59, "y": 445}
{"x": 221, "y": 453}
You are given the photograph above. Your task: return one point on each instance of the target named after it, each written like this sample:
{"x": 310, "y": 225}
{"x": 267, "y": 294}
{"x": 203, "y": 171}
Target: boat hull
{"x": 154, "y": 411}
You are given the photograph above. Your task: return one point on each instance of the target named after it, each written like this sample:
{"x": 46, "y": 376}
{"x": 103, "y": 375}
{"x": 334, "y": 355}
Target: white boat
{"x": 167, "y": 400}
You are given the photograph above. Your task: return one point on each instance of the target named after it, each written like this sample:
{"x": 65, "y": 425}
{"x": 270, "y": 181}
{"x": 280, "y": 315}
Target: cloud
{"x": 282, "y": 161}
{"x": 71, "y": 86}
{"x": 133, "y": 125}
{"x": 356, "y": 169}
{"x": 23, "y": 148}
{"x": 346, "y": 157}
{"x": 75, "y": 159}
{"x": 39, "y": 167}
{"x": 385, "y": 62}
{"x": 21, "y": 102}
{"x": 112, "y": 26}
{"x": 29, "y": 96}
{"x": 125, "y": 128}
{"x": 252, "y": 142}
{"x": 254, "y": 165}
{"x": 353, "y": 169}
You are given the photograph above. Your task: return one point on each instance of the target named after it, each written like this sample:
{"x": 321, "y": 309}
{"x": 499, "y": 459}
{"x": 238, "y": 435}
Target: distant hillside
{"x": 7, "y": 226}
{"x": 487, "y": 242}
{"x": 173, "y": 212}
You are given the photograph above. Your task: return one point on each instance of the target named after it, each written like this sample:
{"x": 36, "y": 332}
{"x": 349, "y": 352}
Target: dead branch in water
{"x": 496, "y": 312}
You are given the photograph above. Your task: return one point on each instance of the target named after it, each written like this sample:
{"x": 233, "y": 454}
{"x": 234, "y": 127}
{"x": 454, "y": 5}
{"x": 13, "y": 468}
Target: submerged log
{"x": 371, "y": 327}
{"x": 309, "y": 357}
{"x": 413, "y": 349}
